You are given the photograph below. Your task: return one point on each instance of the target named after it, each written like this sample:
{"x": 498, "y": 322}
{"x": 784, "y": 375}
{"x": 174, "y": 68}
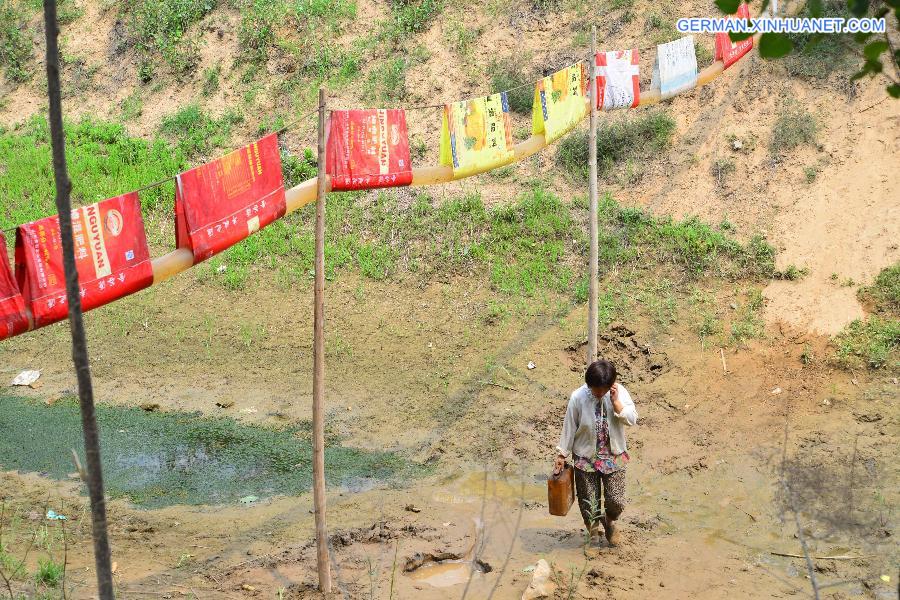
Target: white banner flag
{"x": 675, "y": 69}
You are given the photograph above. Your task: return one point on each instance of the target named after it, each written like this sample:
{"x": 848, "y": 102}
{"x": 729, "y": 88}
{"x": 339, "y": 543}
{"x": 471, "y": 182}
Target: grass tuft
{"x": 49, "y": 573}
{"x": 511, "y": 75}
{"x": 632, "y": 139}
{"x": 794, "y": 127}
{"x": 158, "y": 29}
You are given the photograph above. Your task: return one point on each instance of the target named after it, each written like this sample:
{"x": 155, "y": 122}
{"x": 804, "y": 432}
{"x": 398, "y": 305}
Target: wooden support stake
{"x": 593, "y": 316}
{"x": 76, "y": 322}
{"x": 324, "y": 566}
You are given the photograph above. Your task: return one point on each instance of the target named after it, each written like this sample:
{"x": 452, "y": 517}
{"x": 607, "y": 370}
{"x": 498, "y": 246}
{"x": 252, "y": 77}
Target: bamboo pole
{"x": 80, "y": 356}
{"x": 322, "y": 562}
{"x": 593, "y": 317}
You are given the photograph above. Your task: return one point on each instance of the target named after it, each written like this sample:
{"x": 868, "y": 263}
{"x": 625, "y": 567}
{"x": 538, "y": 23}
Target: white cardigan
{"x": 579, "y": 434}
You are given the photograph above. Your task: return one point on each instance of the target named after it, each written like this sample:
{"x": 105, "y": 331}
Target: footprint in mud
{"x": 634, "y": 360}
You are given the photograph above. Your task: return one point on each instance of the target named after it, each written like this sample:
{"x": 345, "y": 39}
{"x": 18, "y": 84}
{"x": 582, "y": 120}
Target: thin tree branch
{"x": 76, "y": 321}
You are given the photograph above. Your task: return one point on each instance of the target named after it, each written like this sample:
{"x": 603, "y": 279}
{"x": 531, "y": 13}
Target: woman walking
{"x": 593, "y": 435}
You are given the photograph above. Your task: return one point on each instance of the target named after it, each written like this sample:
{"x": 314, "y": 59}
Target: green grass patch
{"x": 103, "y": 161}
{"x": 196, "y": 133}
{"x": 631, "y": 139}
{"x": 160, "y": 459}
{"x": 386, "y": 82}
{"x": 15, "y": 42}
{"x": 873, "y": 343}
{"x": 511, "y": 75}
{"x": 211, "y": 80}
{"x": 795, "y": 126}
{"x": 791, "y": 273}
{"x": 408, "y": 18}
{"x": 461, "y": 38}
{"x": 531, "y": 247}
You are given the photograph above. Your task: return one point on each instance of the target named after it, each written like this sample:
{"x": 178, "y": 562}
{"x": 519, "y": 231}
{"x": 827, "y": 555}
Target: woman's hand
{"x": 618, "y": 406}
{"x": 559, "y": 464}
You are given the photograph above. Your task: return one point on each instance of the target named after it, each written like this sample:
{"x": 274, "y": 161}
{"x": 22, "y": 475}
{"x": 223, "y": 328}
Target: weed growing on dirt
{"x": 49, "y": 573}
{"x": 158, "y": 29}
{"x": 721, "y": 169}
{"x": 461, "y": 38}
{"x": 510, "y": 75}
{"x": 408, "y": 17}
{"x": 791, "y": 273}
{"x": 794, "y": 127}
{"x": 633, "y": 139}
{"x": 884, "y": 294}
{"x": 211, "y": 80}
{"x": 387, "y": 81}
{"x": 873, "y": 342}
{"x": 15, "y": 44}
{"x": 816, "y": 57}
{"x": 196, "y": 133}
{"x": 748, "y": 322}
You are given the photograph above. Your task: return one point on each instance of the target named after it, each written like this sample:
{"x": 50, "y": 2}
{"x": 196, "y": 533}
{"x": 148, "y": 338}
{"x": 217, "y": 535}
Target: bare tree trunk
{"x": 76, "y": 322}
{"x": 593, "y": 316}
{"x": 319, "y": 368}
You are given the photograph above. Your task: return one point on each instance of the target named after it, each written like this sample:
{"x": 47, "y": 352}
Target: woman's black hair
{"x": 601, "y": 373}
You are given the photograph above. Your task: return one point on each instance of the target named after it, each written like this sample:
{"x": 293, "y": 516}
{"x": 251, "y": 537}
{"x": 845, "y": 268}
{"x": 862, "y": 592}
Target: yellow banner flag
{"x": 476, "y": 135}
{"x": 560, "y": 102}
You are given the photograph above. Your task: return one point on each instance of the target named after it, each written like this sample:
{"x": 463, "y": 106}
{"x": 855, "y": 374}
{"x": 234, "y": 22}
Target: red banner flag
{"x": 111, "y": 256}
{"x": 13, "y": 319}
{"x": 730, "y": 52}
{"x": 368, "y": 149}
{"x": 220, "y": 203}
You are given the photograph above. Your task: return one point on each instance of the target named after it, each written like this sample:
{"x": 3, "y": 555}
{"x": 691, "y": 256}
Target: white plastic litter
{"x": 26, "y": 378}
{"x": 541, "y": 585}
{"x": 531, "y": 365}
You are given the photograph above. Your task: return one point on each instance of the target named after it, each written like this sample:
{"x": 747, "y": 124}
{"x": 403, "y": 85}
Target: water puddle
{"x": 474, "y": 487}
{"x": 160, "y": 459}
{"x": 447, "y": 574}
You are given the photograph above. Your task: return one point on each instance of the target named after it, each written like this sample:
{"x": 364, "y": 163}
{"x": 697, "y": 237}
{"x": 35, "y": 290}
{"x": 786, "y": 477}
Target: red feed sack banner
{"x": 13, "y": 319}
{"x": 368, "y": 149}
{"x": 220, "y": 203}
{"x": 730, "y": 52}
{"x": 111, "y": 257}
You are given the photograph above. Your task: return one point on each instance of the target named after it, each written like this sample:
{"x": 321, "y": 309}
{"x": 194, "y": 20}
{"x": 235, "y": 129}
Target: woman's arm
{"x": 623, "y": 405}
{"x": 570, "y": 424}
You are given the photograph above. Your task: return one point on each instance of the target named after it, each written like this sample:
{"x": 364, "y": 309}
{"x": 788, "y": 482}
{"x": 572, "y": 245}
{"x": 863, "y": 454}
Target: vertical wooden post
{"x": 592, "y": 159}
{"x": 322, "y": 563}
{"x": 76, "y": 322}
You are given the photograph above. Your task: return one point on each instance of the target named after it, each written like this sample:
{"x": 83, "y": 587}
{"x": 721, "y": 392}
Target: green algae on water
{"x": 159, "y": 459}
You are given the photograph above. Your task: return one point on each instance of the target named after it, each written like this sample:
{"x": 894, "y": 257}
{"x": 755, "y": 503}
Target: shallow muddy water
{"x": 157, "y": 459}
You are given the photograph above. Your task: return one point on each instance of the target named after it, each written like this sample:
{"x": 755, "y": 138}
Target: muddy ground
{"x": 706, "y": 504}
